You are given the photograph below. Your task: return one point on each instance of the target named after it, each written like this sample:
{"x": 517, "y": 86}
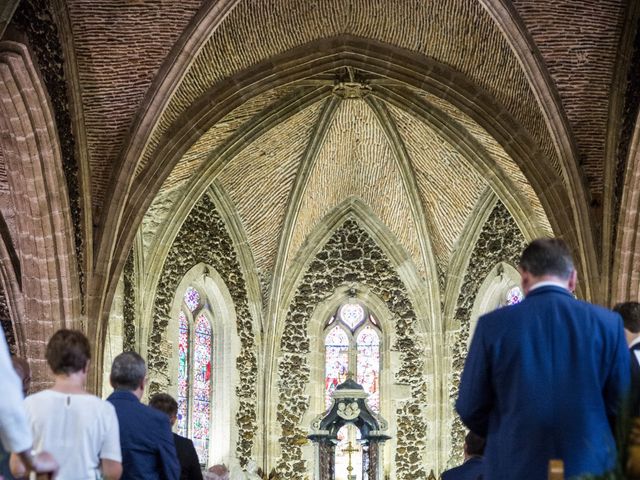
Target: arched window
{"x": 352, "y": 343}
{"x": 195, "y": 354}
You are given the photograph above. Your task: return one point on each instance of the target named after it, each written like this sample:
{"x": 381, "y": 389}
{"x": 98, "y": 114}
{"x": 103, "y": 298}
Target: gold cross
{"x": 350, "y": 450}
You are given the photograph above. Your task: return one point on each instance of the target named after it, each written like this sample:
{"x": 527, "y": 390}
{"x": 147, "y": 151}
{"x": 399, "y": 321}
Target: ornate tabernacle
{"x": 349, "y": 406}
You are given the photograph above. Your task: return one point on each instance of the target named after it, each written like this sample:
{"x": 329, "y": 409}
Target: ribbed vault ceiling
{"x": 287, "y": 158}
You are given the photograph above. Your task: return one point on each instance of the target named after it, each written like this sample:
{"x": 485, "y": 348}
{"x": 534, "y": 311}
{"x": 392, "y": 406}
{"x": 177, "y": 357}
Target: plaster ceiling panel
{"x": 579, "y": 43}
{"x": 259, "y": 180}
{"x": 458, "y": 33}
{"x": 498, "y": 155}
{"x": 119, "y": 46}
{"x": 449, "y": 187}
{"x": 356, "y": 160}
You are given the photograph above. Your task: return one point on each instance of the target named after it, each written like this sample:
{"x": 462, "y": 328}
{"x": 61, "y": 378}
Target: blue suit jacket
{"x": 148, "y": 450}
{"x": 540, "y": 380}
{"x": 472, "y": 469}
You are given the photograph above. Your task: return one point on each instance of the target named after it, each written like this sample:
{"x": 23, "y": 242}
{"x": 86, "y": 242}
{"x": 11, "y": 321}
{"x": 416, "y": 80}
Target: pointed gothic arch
{"x": 214, "y": 309}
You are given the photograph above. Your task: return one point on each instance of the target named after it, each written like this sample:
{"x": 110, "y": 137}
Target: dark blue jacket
{"x": 540, "y": 380}
{"x": 472, "y": 469}
{"x": 148, "y": 450}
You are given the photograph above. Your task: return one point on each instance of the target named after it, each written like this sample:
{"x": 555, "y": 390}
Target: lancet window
{"x": 352, "y": 345}
{"x": 195, "y": 356}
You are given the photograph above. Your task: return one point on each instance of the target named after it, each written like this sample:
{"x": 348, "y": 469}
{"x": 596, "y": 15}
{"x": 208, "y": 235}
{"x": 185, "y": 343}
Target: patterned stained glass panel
{"x": 368, "y": 344}
{"x": 183, "y": 374}
{"x": 336, "y": 361}
{"x": 352, "y": 314}
{"x": 192, "y": 298}
{"x": 514, "y": 295}
{"x": 201, "y": 388}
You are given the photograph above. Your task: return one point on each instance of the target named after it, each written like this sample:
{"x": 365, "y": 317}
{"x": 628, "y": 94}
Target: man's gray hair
{"x": 127, "y": 371}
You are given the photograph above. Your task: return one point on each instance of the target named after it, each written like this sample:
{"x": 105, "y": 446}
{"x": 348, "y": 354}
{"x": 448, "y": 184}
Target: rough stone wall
{"x": 34, "y": 18}
{"x": 204, "y": 238}
{"x": 499, "y": 241}
{"x": 5, "y": 322}
{"x": 350, "y": 256}
{"x": 129, "y": 306}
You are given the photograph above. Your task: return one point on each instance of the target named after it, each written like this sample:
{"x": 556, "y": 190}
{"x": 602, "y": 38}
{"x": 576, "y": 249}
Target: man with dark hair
{"x": 542, "y": 377}
{"x": 189, "y": 463}
{"x": 148, "y": 451}
{"x": 472, "y": 468}
{"x": 630, "y": 313}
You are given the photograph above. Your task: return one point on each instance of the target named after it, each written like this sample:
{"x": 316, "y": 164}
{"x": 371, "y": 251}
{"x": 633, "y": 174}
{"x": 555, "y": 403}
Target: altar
{"x": 349, "y": 409}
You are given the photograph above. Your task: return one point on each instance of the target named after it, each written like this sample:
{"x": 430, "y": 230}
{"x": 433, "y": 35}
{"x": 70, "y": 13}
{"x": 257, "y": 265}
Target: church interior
{"x": 265, "y": 198}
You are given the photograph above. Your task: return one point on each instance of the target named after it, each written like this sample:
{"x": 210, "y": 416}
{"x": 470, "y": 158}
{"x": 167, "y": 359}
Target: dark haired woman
{"x": 78, "y": 428}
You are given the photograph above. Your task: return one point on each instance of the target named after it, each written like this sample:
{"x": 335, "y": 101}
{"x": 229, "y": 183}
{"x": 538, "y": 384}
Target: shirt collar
{"x": 634, "y": 342}
{"x": 547, "y": 283}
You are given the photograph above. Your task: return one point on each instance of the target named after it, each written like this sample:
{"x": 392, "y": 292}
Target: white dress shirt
{"x": 15, "y": 433}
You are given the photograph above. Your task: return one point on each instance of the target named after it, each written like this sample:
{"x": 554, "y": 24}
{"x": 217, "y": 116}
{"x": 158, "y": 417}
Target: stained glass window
{"x": 336, "y": 361}
{"x": 368, "y": 359}
{"x": 514, "y": 295}
{"x": 195, "y": 354}
{"x": 201, "y": 411}
{"x": 192, "y": 298}
{"x": 352, "y": 314}
{"x": 183, "y": 374}
{"x": 353, "y": 346}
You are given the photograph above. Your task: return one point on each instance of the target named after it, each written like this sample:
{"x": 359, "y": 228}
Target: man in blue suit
{"x": 543, "y": 376}
{"x": 473, "y": 465}
{"x": 148, "y": 451}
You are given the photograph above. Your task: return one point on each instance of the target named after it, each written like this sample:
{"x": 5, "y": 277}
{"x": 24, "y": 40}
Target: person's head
{"x": 165, "y": 403}
{"x": 547, "y": 259}
{"x": 630, "y": 313}
{"x": 68, "y": 352}
{"x": 473, "y": 445}
{"x": 21, "y": 366}
{"x": 128, "y": 372}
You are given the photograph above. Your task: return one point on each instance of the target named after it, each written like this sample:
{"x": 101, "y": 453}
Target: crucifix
{"x": 349, "y": 451}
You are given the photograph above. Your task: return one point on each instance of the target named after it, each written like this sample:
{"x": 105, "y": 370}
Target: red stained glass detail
{"x": 368, "y": 345}
{"x": 336, "y": 361}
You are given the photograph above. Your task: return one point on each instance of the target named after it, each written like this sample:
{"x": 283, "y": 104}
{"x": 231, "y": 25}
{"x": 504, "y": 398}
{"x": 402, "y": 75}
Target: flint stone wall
{"x": 350, "y": 256}
{"x": 499, "y": 241}
{"x": 203, "y": 238}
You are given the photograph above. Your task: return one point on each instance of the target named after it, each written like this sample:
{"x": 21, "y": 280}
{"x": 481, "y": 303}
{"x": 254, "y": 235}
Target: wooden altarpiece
{"x": 349, "y": 406}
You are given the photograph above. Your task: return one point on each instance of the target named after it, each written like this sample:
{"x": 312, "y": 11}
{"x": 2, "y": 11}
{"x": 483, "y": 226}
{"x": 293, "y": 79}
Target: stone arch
{"x": 204, "y": 239}
{"x": 32, "y": 152}
{"x": 625, "y": 283}
{"x": 327, "y": 54}
{"x": 491, "y": 293}
{"x": 499, "y": 240}
{"x": 390, "y": 362}
{"x": 314, "y": 287}
{"x": 226, "y": 346}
